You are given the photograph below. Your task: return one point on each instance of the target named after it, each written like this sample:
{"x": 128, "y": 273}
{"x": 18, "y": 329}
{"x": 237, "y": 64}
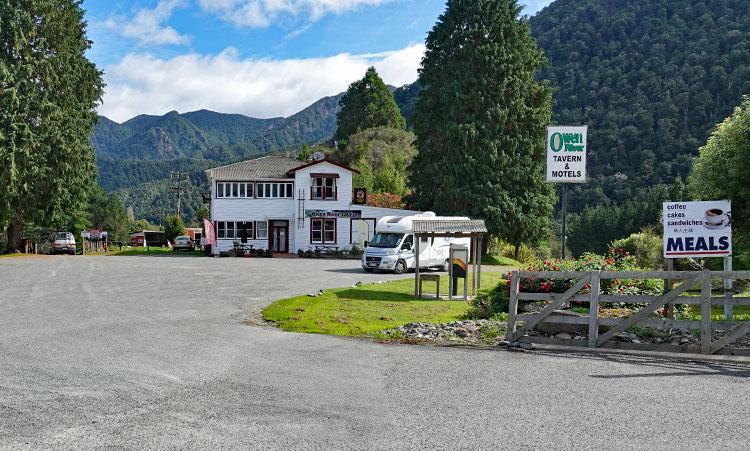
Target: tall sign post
{"x": 700, "y": 230}
{"x": 566, "y": 163}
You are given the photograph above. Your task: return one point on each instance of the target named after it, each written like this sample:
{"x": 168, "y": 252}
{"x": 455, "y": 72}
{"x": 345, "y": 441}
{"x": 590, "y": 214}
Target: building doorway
{"x": 278, "y": 239}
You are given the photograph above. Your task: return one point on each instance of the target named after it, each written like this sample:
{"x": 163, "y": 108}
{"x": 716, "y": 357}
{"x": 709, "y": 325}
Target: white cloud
{"x": 261, "y": 13}
{"x": 147, "y": 28}
{"x": 142, "y": 84}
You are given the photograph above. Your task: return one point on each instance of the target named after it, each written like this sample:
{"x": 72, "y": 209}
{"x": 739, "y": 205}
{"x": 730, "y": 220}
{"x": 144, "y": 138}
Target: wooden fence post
{"x": 513, "y": 306}
{"x": 594, "y": 309}
{"x": 706, "y": 312}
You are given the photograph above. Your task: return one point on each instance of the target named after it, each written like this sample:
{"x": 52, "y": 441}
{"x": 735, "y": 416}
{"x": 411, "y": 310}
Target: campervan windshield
{"x": 388, "y": 240}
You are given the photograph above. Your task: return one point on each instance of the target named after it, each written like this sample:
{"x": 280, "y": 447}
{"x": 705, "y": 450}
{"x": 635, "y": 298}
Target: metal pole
{"x": 564, "y": 236}
{"x": 728, "y": 290}
{"x": 417, "y": 292}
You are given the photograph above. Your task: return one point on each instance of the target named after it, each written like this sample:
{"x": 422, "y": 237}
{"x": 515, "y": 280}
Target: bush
{"x": 499, "y": 247}
{"x": 645, "y": 246}
{"x": 173, "y": 227}
{"x": 488, "y": 303}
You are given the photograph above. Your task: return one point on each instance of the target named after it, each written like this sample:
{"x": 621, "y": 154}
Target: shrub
{"x": 488, "y": 303}
{"x": 645, "y": 246}
{"x": 499, "y": 247}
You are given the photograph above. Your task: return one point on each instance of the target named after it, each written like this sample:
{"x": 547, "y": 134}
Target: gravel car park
{"x": 155, "y": 352}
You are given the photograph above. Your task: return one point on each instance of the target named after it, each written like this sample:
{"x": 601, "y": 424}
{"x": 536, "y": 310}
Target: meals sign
{"x": 697, "y": 229}
{"x": 566, "y": 154}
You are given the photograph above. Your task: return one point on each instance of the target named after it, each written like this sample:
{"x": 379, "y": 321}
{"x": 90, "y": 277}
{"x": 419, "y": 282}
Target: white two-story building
{"x": 286, "y": 205}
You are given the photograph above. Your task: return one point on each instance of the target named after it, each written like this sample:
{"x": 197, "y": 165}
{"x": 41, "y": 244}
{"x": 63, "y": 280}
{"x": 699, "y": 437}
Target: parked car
{"x": 183, "y": 243}
{"x": 64, "y": 243}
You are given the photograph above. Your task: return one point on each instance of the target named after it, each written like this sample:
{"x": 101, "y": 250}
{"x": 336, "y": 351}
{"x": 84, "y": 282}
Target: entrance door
{"x": 278, "y": 239}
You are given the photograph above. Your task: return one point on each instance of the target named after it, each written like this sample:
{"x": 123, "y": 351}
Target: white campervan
{"x": 392, "y": 247}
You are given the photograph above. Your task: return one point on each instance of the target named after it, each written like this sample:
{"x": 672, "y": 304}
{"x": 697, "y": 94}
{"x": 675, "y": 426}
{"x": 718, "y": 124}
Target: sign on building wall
{"x": 566, "y": 154}
{"x": 697, "y": 229}
{"x": 356, "y": 214}
{"x": 360, "y": 196}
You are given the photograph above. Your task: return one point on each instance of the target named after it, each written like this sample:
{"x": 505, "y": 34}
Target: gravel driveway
{"x": 151, "y": 352}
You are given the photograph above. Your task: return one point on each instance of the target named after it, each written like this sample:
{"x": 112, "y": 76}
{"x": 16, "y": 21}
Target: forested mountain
{"x": 213, "y": 136}
{"x": 651, "y": 78}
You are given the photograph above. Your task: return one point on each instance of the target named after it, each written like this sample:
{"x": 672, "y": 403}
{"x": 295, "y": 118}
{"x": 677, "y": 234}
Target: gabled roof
{"x": 313, "y": 163}
{"x": 268, "y": 167}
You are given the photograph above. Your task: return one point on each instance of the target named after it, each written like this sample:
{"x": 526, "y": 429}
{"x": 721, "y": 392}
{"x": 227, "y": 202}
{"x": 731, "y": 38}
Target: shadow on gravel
{"x": 672, "y": 368}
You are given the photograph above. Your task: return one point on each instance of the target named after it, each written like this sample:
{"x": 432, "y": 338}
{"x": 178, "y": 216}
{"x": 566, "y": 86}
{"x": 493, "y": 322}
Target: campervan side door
{"x": 425, "y": 252}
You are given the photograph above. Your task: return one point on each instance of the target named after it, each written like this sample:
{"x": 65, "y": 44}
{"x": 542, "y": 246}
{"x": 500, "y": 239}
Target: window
{"x": 220, "y": 230}
{"x": 234, "y": 189}
{"x": 230, "y": 230}
{"x": 323, "y": 188}
{"x": 245, "y": 231}
{"x": 323, "y": 231}
{"x": 275, "y": 190}
{"x": 261, "y": 230}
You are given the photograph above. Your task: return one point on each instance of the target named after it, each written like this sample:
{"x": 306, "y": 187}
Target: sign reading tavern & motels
{"x": 697, "y": 229}
{"x": 566, "y": 154}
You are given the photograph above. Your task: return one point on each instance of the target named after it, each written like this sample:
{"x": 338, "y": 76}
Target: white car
{"x": 183, "y": 243}
{"x": 64, "y": 243}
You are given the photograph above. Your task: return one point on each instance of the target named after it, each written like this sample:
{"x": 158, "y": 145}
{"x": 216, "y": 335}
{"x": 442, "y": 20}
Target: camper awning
{"x": 447, "y": 226}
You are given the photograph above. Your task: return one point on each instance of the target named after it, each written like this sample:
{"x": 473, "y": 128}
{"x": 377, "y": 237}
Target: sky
{"x": 260, "y": 58}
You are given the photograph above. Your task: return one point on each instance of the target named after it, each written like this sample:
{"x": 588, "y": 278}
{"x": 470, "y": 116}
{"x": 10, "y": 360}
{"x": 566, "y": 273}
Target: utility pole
{"x": 179, "y": 177}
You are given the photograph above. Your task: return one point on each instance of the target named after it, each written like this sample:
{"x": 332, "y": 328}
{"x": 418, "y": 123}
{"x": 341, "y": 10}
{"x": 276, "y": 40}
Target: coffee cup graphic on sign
{"x": 715, "y": 218}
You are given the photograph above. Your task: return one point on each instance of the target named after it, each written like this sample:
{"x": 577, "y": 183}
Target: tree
{"x": 721, "y": 170}
{"x": 368, "y": 103}
{"x": 480, "y": 121}
{"x": 47, "y": 98}
{"x": 106, "y": 212}
{"x": 173, "y": 227}
{"x": 382, "y": 155}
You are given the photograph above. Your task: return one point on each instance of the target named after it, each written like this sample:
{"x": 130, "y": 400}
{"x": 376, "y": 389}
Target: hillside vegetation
{"x": 651, "y": 78}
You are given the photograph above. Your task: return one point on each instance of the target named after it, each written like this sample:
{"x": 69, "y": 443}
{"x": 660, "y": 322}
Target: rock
{"x": 532, "y": 307}
{"x": 636, "y": 341}
{"x": 563, "y": 336}
{"x": 684, "y": 341}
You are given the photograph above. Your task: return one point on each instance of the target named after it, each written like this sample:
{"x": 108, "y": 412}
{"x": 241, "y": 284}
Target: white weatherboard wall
{"x": 343, "y": 201}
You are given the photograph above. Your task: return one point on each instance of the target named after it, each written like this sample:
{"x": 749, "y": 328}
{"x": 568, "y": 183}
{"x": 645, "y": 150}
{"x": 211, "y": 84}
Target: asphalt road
{"x": 151, "y": 352}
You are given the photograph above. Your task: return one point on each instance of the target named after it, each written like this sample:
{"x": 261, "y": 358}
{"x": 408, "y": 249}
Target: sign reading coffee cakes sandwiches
{"x": 566, "y": 154}
{"x": 697, "y": 229}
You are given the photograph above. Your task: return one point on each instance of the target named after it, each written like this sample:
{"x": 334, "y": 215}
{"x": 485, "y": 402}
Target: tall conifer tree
{"x": 368, "y": 103}
{"x": 480, "y": 121}
{"x": 48, "y": 93}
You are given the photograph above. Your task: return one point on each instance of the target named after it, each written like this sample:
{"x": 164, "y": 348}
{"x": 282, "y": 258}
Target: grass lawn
{"x": 18, "y": 254}
{"x": 500, "y": 260}
{"x": 367, "y": 309}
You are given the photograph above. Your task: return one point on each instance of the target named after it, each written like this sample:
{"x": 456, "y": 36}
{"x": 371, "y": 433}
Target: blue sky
{"x": 263, "y": 58}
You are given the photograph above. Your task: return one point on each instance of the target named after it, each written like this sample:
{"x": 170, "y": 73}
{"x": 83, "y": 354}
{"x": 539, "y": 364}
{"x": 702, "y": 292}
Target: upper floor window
{"x": 323, "y": 188}
{"x": 275, "y": 190}
{"x": 234, "y": 189}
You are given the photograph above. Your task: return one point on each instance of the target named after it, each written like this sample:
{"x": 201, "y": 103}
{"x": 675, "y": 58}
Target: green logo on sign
{"x": 556, "y": 142}
{"x": 571, "y": 142}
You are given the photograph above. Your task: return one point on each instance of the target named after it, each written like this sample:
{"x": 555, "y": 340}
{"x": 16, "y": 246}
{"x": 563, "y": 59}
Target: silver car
{"x": 183, "y": 243}
{"x": 64, "y": 243}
